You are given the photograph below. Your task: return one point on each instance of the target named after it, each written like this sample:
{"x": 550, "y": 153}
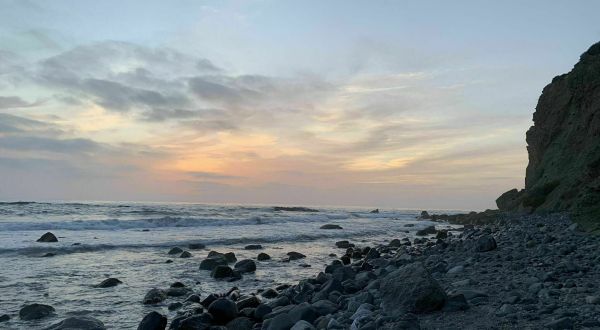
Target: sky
{"x": 397, "y": 104}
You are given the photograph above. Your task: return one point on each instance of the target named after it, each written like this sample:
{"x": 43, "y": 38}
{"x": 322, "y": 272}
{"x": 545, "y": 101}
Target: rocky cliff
{"x": 564, "y": 146}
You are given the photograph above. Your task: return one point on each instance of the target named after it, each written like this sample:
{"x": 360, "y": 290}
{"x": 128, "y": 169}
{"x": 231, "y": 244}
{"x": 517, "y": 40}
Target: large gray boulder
{"x": 153, "y": 321}
{"x": 78, "y": 322}
{"x": 35, "y": 311}
{"x": 154, "y": 296}
{"x": 411, "y": 289}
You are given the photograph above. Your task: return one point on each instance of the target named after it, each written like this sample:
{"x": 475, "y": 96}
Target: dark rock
{"x": 168, "y": 261}
{"x": 48, "y": 238}
{"x": 455, "y": 303}
{"x": 250, "y": 302}
{"x": 263, "y": 257}
{"x": 174, "y": 306}
{"x": 109, "y": 282}
{"x": 195, "y": 322}
{"x": 223, "y": 310}
{"x": 269, "y": 293}
{"x": 425, "y": 215}
{"x": 279, "y": 322}
{"x": 485, "y": 243}
{"x": 411, "y": 289}
{"x": 48, "y": 254}
{"x": 375, "y": 211}
{"x": 230, "y": 257}
{"x": 78, "y": 322}
{"x": 303, "y": 325}
{"x": 343, "y": 244}
{"x": 303, "y": 311}
{"x": 429, "y": 230}
{"x": 563, "y": 323}
{"x": 331, "y": 226}
{"x": 153, "y": 321}
{"x": 295, "y": 255}
{"x": 240, "y": 323}
{"x": 253, "y": 247}
{"x": 221, "y": 271}
{"x": 177, "y": 285}
{"x": 262, "y": 310}
{"x": 212, "y": 262}
{"x": 196, "y": 246}
{"x": 154, "y": 296}
{"x": 245, "y": 266}
{"x": 325, "y": 307}
{"x": 35, "y": 311}
{"x": 175, "y": 250}
{"x": 193, "y": 298}
{"x": 178, "y": 292}
{"x": 442, "y": 234}
{"x": 4, "y": 318}
{"x": 294, "y": 209}
{"x": 185, "y": 254}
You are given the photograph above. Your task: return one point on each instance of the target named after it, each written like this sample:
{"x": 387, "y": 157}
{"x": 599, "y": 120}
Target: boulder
{"x": 175, "y": 250}
{"x": 375, "y": 211}
{"x": 35, "y": 311}
{"x": 221, "y": 271}
{"x": 331, "y": 226}
{"x": 485, "y": 243}
{"x": 303, "y": 311}
{"x": 4, "y": 318}
{"x": 325, "y": 307}
{"x": 196, "y": 322}
{"x": 269, "y": 293}
{"x": 294, "y": 209}
{"x": 343, "y": 244}
{"x": 153, "y": 321}
{"x": 263, "y": 257}
{"x": 223, "y": 310}
{"x": 429, "y": 230}
{"x": 279, "y": 322}
{"x": 295, "y": 255}
{"x": 240, "y": 323}
{"x": 425, "y": 215}
{"x": 302, "y": 325}
{"x": 178, "y": 291}
{"x": 212, "y": 262}
{"x": 253, "y": 247}
{"x": 109, "y": 282}
{"x": 249, "y": 302}
{"x": 245, "y": 266}
{"x": 261, "y": 311}
{"x": 411, "y": 289}
{"x": 154, "y": 296}
{"x": 78, "y": 322}
{"x": 48, "y": 238}
{"x": 185, "y": 254}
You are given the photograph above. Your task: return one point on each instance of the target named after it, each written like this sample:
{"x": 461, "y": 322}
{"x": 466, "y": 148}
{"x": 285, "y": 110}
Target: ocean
{"x": 130, "y": 241}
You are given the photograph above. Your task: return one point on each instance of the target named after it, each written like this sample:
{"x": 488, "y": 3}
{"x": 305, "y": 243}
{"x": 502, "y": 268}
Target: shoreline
{"x": 514, "y": 271}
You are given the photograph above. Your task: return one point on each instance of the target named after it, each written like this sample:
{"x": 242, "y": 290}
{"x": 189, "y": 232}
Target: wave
{"x": 210, "y": 243}
{"x": 159, "y": 222}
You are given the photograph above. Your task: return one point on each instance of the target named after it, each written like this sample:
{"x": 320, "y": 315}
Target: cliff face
{"x": 564, "y": 146}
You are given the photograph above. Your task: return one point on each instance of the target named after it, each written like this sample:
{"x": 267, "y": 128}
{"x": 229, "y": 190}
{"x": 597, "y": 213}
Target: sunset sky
{"x": 407, "y": 104}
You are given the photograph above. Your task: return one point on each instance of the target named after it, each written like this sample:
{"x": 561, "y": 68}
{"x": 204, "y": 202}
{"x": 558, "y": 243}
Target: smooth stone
{"x": 212, "y": 262}
{"x": 78, "y": 322}
{"x": 279, "y": 322}
{"x": 331, "y": 226}
{"x": 178, "y": 291}
{"x": 174, "y": 306}
{"x": 429, "y": 230}
{"x": 253, "y": 247}
{"x": 35, "y": 311}
{"x": 153, "y": 321}
{"x": 263, "y": 257}
{"x": 4, "y": 318}
{"x": 175, "y": 250}
{"x": 245, "y": 266}
{"x": 223, "y": 310}
{"x": 303, "y": 311}
{"x": 221, "y": 271}
{"x": 250, "y": 302}
{"x": 185, "y": 254}
{"x": 269, "y": 293}
{"x": 295, "y": 255}
{"x": 47, "y": 238}
{"x": 240, "y": 323}
{"x": 325, "y": 307}
{"x": 154, "y": 296}
{"x": 261, "y": 311}
{"x": 456, "y": 269}
{"x": 302, "y": 325}
{"x": 485, "y": 243}
{"x": 196, "y": 246}
{"x": 109, "y": 282}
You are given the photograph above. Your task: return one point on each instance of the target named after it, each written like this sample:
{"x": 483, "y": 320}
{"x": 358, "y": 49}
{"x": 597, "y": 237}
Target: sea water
{"x": 130, "y": 241}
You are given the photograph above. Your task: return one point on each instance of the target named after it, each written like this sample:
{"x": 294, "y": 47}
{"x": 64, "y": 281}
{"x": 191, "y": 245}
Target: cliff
{"x": 564, "y": 147}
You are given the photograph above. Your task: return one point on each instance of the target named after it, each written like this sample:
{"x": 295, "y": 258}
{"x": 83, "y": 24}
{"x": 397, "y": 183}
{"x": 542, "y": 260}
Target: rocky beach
{"x": 532, "y": 263}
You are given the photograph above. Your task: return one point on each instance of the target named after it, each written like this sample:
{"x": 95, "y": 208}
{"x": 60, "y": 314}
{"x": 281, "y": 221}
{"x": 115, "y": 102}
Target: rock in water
{"x": 425, "y": 215}
{"x": 375, "y": 211}
{"x": 35, "y": 311}
{"x": 245, "y": 266}
{"x": 429, "y": 230}
{"x": 295, "y": 255}
{"x": 109, "y": 282}
{"x": 185, "y": 254}
{"x": 223, "y": 310}
{"x": 221, "y": 271}
{"x": 253, "y": 247}
{"x": 4, "y": 318}
{"x": 212, "y": 263}
{"x": 175, "y": 250}
{"x": 153, "y": 321}
{"x": 154, "y": 296}
{"x": 48, "y": 238}
{"x": 294, "y": 209}
{"x": 78, "y": 322}
{"x": 411, "y": 289}
{"x": 196, "y": 246}
{"x": 331, "y": 226}
{"x": 263, "y": 257}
